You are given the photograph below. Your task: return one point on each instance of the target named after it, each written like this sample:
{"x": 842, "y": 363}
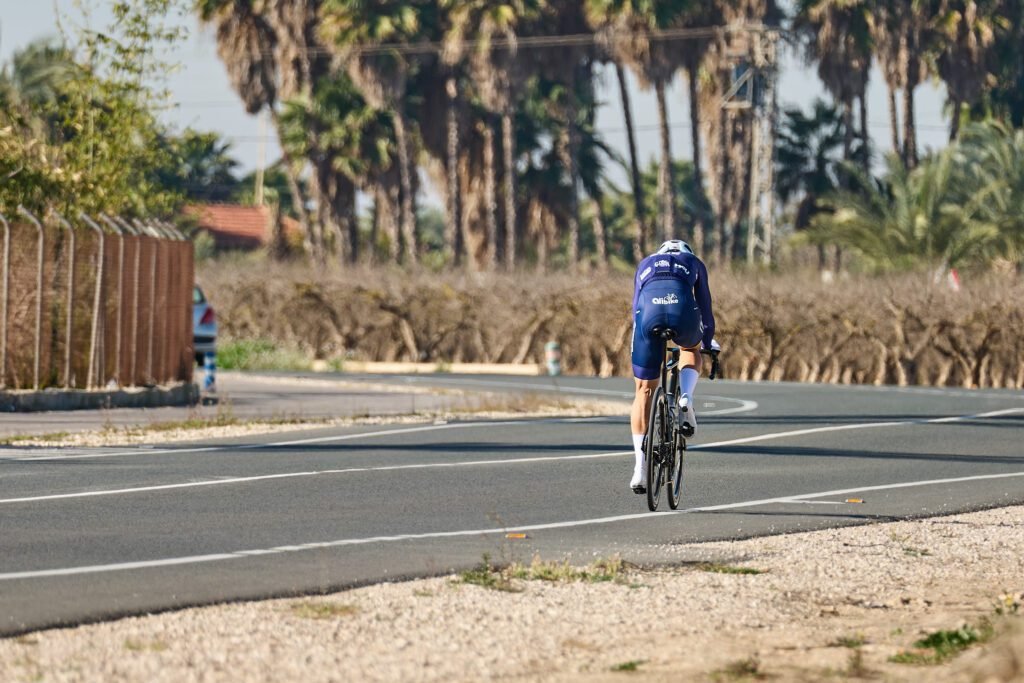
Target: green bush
{"x": 259, "y": 354}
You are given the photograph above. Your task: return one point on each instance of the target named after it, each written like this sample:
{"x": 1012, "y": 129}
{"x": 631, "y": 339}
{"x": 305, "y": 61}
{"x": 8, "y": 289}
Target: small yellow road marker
{"x": 515, "y": 535}
{"x": 854, "y": 500}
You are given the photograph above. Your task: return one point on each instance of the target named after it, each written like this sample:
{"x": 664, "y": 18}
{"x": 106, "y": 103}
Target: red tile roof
{"x": 234, "y": 226}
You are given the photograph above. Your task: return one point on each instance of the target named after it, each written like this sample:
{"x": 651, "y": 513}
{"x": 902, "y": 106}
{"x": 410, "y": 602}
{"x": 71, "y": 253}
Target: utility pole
{"x": 754, "y": 64}
{"x": 262, "y": 158}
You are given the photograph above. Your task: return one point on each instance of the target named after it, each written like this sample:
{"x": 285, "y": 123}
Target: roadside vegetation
{"x": 863, "y": 329}
{"x": 505, "y": 578}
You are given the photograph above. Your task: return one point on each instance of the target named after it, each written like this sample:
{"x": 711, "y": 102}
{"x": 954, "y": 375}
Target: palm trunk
{"x": 847, "y": 130}
{"x": 639, "y": 219}
{"x": 666, "y": 184}
{"x": 508, "y": 158}
{"x": 600, "y": 238}
{"x": 490, "y": 197}
{"x": 452, "y": 233}
{"x": 864, "y": 139}
{"x": 567, "y": 153}
{"x": 894, "y": 122}
{"x": 698, "y": 168}
{"x": 375, "y": 220}
{"x": 954, "y": 125}
{"x": 407, "y": 212}
{"x": 336, "y": 208}
{"x": 298, "y": 200}
{"x": 909, "y": 129}
{"x": 347, "y": 210}
{"x": 722, "y": 216}
{"x": 318, "y": 224}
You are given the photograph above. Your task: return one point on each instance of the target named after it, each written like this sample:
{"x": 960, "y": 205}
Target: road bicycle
{"x": 665, "y": 441}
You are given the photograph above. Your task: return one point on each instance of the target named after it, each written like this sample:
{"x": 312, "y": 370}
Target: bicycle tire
{"x": 674, "y": 485}
{"x": 655, "y": 447}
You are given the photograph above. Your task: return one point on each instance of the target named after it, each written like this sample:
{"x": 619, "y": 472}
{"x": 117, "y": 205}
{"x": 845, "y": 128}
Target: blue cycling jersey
{"x": 692, "y": 276}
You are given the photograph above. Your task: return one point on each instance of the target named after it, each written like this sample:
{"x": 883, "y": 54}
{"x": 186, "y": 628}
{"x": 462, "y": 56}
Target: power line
{"x": 534, "y": 42}
{"x": 644, "y": 128}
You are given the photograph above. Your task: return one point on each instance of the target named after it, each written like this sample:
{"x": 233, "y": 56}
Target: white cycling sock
{"x": 688, "y": 383}
{"x": 638, "y": 449}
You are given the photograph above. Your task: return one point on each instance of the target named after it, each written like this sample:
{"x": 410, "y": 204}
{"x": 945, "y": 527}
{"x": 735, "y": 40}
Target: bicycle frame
{"x": 670, "y": 372}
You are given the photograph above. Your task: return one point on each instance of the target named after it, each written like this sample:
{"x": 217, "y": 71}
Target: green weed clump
{"x": 631, "y": 665}
{"x": 940, "y": 646}
{"x": 259, "y": 354}
{"x": 501, "y": 578}
{"x": 740, "y": 670}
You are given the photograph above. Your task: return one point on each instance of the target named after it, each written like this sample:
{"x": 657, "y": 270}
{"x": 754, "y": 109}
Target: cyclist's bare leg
{"x": 642, "y": 404}
{"x": 638, "y": 425}
{"x": 690, "y": 365}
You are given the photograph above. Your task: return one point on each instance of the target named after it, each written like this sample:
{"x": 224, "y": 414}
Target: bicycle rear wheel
{"x": 656, "y": 448}
{"x": 674, "y": 485}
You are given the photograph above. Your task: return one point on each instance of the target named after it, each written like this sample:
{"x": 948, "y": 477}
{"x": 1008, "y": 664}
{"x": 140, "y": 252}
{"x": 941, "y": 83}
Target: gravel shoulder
{"x": 481, "y": 406}
{"x": 822, "y": 605}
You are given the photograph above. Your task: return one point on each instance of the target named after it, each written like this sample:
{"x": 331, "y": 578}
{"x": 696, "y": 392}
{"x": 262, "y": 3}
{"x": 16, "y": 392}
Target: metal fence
{"x": 93, "y": 302}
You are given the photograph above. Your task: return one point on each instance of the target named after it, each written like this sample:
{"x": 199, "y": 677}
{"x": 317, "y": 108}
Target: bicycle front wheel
{"x": 656, "y": 448}
{"x": 675, "y": 471}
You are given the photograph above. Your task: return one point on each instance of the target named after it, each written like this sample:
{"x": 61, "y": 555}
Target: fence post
{"x": 94, "y": 341}
{"x": 120, "y": 292}
{"x": 152, "y": 304}
{"x": 39, "y": 295}
{"x": 3, "y": 302}
{"x": 71, "y": 297}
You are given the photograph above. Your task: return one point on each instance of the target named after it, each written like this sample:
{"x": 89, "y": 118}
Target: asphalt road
{"x": 93, "y": 534}
{"x": 244, "y": 396}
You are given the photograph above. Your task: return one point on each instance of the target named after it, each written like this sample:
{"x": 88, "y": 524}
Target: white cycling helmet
{"x": 675, "y": 247}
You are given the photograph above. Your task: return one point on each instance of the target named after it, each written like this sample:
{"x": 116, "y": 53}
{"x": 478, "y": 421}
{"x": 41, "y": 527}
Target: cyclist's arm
{"x": 702, "y": 292}
{"x": 636, "y": 285}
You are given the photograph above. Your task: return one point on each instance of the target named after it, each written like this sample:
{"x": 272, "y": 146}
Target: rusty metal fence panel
{"x": 93, "y": 302}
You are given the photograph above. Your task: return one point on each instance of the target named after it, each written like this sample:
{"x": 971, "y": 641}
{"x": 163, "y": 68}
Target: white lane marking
{"x": 311, "y": 473}
{"x": 505, "y": 461}
{"x": 745, "y": 406}
{"x": 283, "y": 549}
{"x": 276, "y": 444}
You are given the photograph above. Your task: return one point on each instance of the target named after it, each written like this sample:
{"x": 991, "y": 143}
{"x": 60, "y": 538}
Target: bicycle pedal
{"x": 639, "y": 490}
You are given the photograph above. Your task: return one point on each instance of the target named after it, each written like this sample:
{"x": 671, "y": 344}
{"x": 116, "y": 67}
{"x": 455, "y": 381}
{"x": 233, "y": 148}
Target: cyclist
{"x": 670, "y": 291}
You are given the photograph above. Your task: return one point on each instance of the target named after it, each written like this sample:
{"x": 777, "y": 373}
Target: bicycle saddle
{"x": 664, "y": 332}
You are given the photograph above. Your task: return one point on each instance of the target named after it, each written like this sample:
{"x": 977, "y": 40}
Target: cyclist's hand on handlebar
{"x": 713, "y": 351}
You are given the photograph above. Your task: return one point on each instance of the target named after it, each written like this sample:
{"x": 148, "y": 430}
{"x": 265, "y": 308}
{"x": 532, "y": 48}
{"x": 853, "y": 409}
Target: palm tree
{"x": 250, "y": 49}
{"x": 911, "y": 218}
{"x": 991, "y": 159}
{"x": 348, "y": 141}
{"x": 356, "y": 30}
{"x": 836, "y": 35}
{"x": 629, "y": 28}
{"x": 905, "y": 36}
{"x": 639, "y": 217}
{"x": 968, "y": 29}
{"x": 1004, "y": 97}
{"x": 808, "y": 158}
{"x": 498, "y": 78}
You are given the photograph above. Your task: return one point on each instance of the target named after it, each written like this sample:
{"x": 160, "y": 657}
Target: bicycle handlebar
{"x": 716, "y": 369}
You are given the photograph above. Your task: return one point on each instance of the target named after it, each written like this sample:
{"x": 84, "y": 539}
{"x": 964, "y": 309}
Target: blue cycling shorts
{"x": 665, "y": 303}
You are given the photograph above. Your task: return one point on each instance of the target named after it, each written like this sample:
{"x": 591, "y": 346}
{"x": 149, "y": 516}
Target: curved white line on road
{"x": 480, "y": 463}
{"x": 284, "y": 549}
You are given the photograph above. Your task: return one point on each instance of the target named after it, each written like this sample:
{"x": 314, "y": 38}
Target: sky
{"x": 205, "y": 100}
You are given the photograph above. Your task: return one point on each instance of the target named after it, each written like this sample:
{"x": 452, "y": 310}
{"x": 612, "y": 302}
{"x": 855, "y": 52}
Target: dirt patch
{"x": 824, "y": 605}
